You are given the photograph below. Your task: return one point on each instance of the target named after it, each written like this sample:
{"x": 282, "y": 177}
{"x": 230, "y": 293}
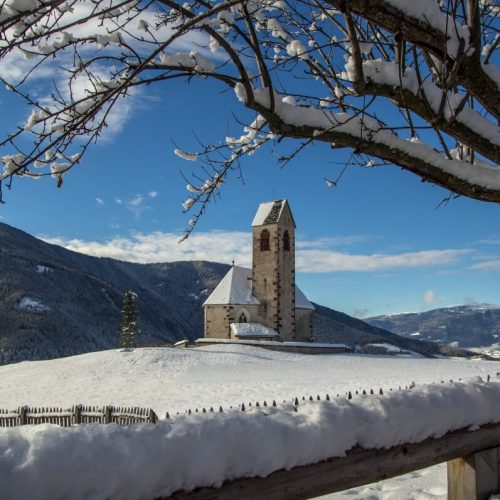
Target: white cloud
{"x": 360, "y": 312}
{"x": 153, "y": 194}
{"x": 123, "y": 107}
{"x": 333, "y": 241}
{"x": 318, "y": 261}
{"x": 15, "y": 65}
{"x": 99, "y": 201}
{"x": 224, "y": 246}
{"x": 164, "y": 247}
{"x": 135, "y": 204}
{"x": 429, "y": 298}
{"x": 487, "y": 265}
{"x": 136, "y": 201}
{"x": 495, "y": 240}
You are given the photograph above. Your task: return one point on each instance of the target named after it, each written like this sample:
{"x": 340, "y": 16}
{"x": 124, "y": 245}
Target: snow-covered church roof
{"x": 301, "y": 301}
{"x": 269, "y": 212}
{"x": 253, "y": 330}
{"x": 236, "y": 288}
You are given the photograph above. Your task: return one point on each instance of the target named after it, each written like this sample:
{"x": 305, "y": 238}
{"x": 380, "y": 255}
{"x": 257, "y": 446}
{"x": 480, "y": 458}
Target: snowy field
{"x": 174, "y": 380}
{"x": 177, "y": 379}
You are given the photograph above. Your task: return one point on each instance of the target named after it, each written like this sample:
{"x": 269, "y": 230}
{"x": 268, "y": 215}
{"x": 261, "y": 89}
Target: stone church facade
{"x": 263, "y": 302}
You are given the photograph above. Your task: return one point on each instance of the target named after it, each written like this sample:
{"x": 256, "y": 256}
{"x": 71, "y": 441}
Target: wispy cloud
{"x": 317, "y": 261}
{"x": 52, "y": 79}
{"x": 361, "y": 312}
{"x": 99, "y": 201}
{"x": 490, "y": 241}
{"x": 164, "y": 247}
{"x": 153, "y": 194}
{"x": 429, "y": 298}
{"x": 487, "y": 265}
{"x": 136, "y": 205}
{"x": 333, "y": 241}
{"x": 224, "y": 246}
{"x": 136, "y": 201}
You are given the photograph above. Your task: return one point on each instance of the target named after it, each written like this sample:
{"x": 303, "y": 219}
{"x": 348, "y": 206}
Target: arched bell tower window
{"x": 242, "y": 318}
{"x": 286, "y": 241}
{"x": 264, "y": 240}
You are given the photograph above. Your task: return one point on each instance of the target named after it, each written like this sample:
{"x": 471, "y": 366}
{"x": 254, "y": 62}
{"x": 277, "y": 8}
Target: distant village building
{"x": 263, "y": 302}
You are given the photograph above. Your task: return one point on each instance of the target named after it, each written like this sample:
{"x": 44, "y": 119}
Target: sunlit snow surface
{"x": 174, "y": 380}
{"x": 177, "y": 379}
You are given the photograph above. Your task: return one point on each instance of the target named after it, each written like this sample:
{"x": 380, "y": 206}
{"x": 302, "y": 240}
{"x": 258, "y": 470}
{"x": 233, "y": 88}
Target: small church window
{"x": 264, "y": 240}
{"x": 286, "y": 241}
{"x": 242, "y": 318}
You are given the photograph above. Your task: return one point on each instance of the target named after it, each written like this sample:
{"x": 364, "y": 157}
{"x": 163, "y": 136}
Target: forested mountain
{"x": 55, "y": 302}
{"x": 466, "y": 326}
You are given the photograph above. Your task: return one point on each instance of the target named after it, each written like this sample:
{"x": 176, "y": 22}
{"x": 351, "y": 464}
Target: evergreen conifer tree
{"x": 129, "y": 331}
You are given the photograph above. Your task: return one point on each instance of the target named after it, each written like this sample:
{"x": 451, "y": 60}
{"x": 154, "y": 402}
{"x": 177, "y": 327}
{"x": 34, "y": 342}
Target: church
{"x": 263, "y": 303}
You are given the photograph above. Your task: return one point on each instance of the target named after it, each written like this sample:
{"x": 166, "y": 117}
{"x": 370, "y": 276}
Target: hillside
{"x": 151, "y": 461}
{"x": 55, "y": 302}
{"x": 465, "y": 326}
{"x": 335, "y": 326}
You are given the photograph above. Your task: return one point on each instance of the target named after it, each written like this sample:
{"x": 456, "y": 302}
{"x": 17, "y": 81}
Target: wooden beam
{"x": 357, "y": 468}
{"x": 475, "y": 477}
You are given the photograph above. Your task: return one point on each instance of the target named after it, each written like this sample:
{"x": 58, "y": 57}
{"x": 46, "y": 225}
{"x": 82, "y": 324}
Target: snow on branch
{"x": 412, "y": 83}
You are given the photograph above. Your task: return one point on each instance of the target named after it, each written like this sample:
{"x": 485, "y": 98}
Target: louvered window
{"x": 264, "y": 240}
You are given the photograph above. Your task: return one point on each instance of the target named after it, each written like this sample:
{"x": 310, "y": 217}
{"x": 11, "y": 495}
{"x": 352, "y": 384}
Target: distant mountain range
{"x": 55, "y": 302}
{"x": 465, "y": 326}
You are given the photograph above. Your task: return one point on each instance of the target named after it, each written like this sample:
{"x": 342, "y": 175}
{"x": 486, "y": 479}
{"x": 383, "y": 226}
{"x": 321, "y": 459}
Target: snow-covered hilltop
{"x": 146, "y": 460}
{"x": 55, "y": 302}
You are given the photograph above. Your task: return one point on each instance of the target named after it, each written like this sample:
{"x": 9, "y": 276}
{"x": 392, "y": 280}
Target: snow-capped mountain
{"x": 55, "y": 302}
{"x": 466, "y": 326}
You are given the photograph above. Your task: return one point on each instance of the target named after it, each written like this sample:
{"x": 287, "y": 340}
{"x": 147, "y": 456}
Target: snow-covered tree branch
{"x": 410, "y": 83}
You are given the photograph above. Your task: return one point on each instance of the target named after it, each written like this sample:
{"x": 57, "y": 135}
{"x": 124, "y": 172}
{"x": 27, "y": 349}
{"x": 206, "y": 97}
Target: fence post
{"x": 23, "y": 415}
{"x": 77, "y": 414}
{"x": 107, "y": 414}
{"x": 152, "y": 417}
{"x": 475, "y": 477}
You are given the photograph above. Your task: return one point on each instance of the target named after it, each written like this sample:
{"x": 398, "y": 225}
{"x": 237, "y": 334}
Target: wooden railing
{"x": 473, "y": 455}
{"x": 473, "y": 470}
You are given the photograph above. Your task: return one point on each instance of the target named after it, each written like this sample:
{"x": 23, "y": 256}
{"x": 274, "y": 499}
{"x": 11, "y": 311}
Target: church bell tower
{"x": 273, "y": 269}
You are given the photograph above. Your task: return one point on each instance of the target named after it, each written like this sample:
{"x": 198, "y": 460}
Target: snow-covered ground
{"x": 32, "y": 304}
{"x": 174, "y": 380}
{"x": 492, "y": 350}
{"x": 177, "y": 379}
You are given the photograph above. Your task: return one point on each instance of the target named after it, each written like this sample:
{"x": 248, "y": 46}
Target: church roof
{"x": 236, "y": 288}
{"x": 253, "y": 330}
{"x": 301, "y": 301}
{"x": 269, "y": 212}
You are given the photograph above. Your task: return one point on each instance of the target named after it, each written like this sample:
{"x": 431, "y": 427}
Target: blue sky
{"x": 375, "y": 244}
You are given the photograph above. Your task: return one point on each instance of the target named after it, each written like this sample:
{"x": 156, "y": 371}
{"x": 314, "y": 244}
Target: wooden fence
{"x": 473, "y": 455}
{"x": 84, "y": 414}
{"x": 78, "y": 414}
